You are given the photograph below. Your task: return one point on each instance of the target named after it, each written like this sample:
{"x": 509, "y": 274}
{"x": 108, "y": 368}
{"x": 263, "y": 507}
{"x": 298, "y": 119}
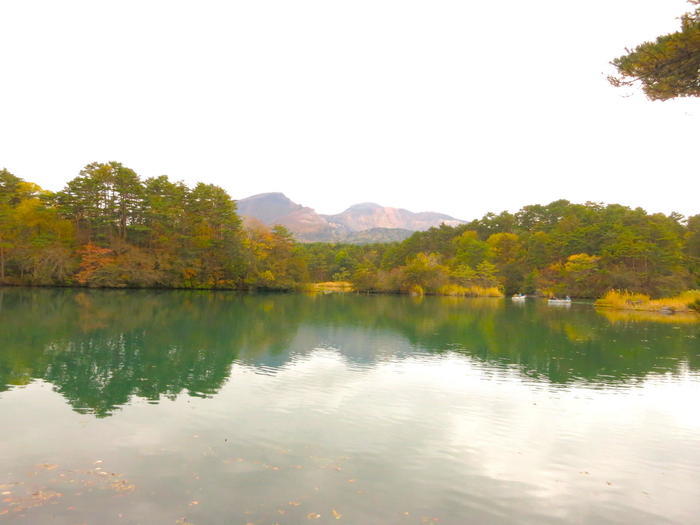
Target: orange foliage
{"x": 92, "y": 258}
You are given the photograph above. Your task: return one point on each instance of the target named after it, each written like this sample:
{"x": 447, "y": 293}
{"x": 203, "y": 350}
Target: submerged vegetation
{"x": 110, "y": 228}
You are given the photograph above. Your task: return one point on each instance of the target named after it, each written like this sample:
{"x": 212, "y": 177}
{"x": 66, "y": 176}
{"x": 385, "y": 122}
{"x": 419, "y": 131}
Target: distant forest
{"x": 110, "y": 228}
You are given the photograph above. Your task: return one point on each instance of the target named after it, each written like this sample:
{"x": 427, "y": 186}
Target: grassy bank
{"x": 469, "y": 291}
{"x": 330, "y": 286}
{"x": 686, "y": 302}
{"x": 451, "y": 290}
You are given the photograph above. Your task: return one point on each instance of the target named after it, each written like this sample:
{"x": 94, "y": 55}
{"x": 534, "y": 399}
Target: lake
{"x": 179, "y": 407}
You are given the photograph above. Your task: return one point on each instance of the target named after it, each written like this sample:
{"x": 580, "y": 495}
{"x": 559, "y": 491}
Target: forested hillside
{"x": 110, "y": 228}
{"x": 561, "y": 248}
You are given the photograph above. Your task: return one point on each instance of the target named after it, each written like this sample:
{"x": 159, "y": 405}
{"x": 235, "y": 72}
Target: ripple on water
{"x": 384, "y": 410}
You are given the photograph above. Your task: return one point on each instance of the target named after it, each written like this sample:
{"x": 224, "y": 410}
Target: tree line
{"x": 560, "y": 248}
{"x": 110, "y": 228}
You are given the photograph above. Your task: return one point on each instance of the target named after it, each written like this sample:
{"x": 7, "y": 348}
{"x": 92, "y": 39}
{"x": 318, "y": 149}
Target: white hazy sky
{"x": 453, "y": 106}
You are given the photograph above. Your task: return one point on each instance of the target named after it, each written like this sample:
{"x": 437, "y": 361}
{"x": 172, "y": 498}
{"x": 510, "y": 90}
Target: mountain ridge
{"x": 360, "y": 223}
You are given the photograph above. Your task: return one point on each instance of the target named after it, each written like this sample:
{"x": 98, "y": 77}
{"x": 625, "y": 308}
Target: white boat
{"x": 559, "y": 301}
{"x": 519, "y": 297}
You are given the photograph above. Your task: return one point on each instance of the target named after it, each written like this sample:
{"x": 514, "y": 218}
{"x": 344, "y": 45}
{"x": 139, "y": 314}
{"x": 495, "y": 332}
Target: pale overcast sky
{"x": 461, "y": 107}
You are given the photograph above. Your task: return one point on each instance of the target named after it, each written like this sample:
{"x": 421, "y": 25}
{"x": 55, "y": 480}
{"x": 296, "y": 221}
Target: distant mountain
{"x": 268, "y": 207}
{"x": 359, "y": 224}
{"x": 368, "y": 215}
{"x": 277, "y": 208}
{"x": 375, "y": 235}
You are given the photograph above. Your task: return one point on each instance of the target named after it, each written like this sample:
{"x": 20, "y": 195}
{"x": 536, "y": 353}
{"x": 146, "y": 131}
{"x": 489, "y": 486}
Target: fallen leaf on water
{"x": 47, "y": 466}
{"x": 313, "y": 515}
{"x": 122, "y": 485}
{"x": 352, "y": 480}
{"x": 5, "y": 493}
{"x": 337, "y": 515}
{"x": 36, "y": 499}
{"x": 294, "y": 503}
{"x": 194, "y": 503}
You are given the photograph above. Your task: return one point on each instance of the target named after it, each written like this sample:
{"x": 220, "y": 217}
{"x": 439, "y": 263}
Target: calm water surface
{"x": 123, "y": 407}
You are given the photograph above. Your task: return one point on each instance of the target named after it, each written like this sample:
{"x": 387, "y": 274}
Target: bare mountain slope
{"x": 367, "y": 222}
{"x": 369, "y": 215}
{"x": 277, "y": 208}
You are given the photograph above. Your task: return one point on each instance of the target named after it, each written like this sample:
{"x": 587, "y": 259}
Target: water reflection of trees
{"x": 99, "y": 348}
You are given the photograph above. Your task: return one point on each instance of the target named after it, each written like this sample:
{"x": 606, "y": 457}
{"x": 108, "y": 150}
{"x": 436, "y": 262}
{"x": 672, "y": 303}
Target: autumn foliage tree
{"x": 35, "y": 242}
{"x": 110, "y": 228}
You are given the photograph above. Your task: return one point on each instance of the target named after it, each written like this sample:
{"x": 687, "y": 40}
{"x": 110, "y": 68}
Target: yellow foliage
{"x": 581, "y": 261}
{"x": 416, "y": 290}
{"x": 623, "y": 300}
{"x": 331, "y": 286}
{"x": 469, "y": 291}
{"x": 267, "y": 276}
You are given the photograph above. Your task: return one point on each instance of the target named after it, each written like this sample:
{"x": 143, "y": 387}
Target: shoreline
{"x": 687, "y": 302}
{"x": 664, "y": 306}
